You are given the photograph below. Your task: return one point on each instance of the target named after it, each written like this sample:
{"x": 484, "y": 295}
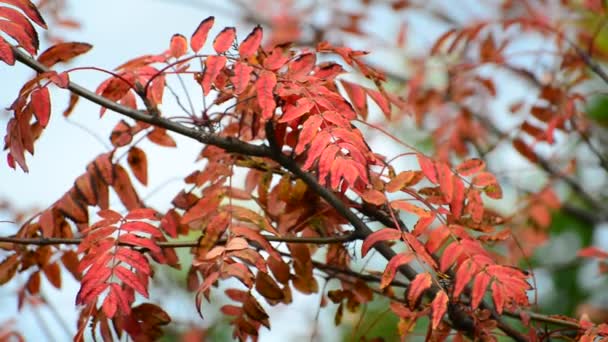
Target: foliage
{"x": 297, "y": 117}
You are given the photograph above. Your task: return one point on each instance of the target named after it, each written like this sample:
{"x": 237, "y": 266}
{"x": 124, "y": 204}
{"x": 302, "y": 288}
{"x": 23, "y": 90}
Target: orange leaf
{"x": 62, "y": 52}
{"x": 139, "y": 164}
{"x": 357, "y": 97}
{"x": 392, "y": 266}
{"x": 498, "y": 296}
{"x": 449, "y": 256}
{"x": 470, "y": 166}
{"x": 309, "y": 130}
{"x": 446, "y": 183}
{"x": 421, "y": 283}
{"x": 383, "y": 234}
{"x": 457, "y": 203}
{"x": 250, "y": 45}
{"x": 41, "y": 103}
{"x": 265, "y": 88}
{"x": 213, "y": 66}
{"x": 404, "y": 205}
{"x": 400, "y": 181}
{"x": 464, "y": 274}
{"x": 199, "y": 37}
{"x": 160, "y": 137}
{"x": 428, "y": 168}
{"x": 178, "y": 46}
{"x": 484, "y": 179}
{"x": 373, "y": 196}
{"x": 439, "y": 306}
{"x": 223, "y": 41}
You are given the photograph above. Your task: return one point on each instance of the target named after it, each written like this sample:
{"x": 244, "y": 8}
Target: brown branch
{"x": 180, "y": 244}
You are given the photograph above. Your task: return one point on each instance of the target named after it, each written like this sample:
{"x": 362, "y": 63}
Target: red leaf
{"x": 457, "y": 203}
{"x": 223, "y": 41}
{"x": 464, "y": 274}
{"x": 309, "y": 130}
{"x": 421, "y": 283}
{"x": 439, "y": 306}
{"x": 62, "y": 52}
{"x": 134, "y": 240}
{"x": 392, "y": 266}
{"x": 250, "y": 45}
{"x": 318, "y": 146}
{"x": 139, "y": 164}
{"x": 276, "y": 59}
{"x": 213, "y": 66}
{"x": 110, "y": 305}
{"x": 470, "y": 166}
{"x": 381, "y": 100}
{"x": 449, "y": 256}
{"x": 383, "y": 234}
{"x": 29, "y": 42}
{"x": 302, "y": 65}
{"x": 479, "y": 288}
{"x": 404, "y": 205}
{"x": 357, "y": 97}
{"x": 110, "y": 215}
{"x": 256, "y": 237}
{"x": 199, "y": 37}
{"x": 428, "y": 168}
{"x": 41, "y": 103}
{"x": 419, "y": 249}
{"x": 498, "y": 296}
{"x": 525, "y": 150}
{"x": 178, "y": 46}
{"x": 242, "y": 77}
{"x": 592, "y": 252}
{"x": 142, "y": 214}
{"x": 6, "y": 53}
{"x": 302, "y": 107}
{"x": 29, "y": 9}
{"x": 445, "y": 181}
{"x": 124, "y": 188}
{"x": 265, "y": 88}
{"x": 131, "y": 280}
{"x": 141, "y": 227}
{"x": 134, "y": 259}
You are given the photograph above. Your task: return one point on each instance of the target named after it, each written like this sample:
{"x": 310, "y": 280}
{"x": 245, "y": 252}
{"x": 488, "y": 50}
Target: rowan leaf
{"x": 357, "y": 97}
{"x": 29, "y": 41}
{"x": 383, "y": 234}
{"x": 464, "y": 274}
{"x": 141, "y": 227}
{"x": 448, "y": 258}
{"x": 374, "y": 197}
{"x": 381, "y": 101}
{"x": 446, "y": 183}
{"x": 310, "y": 128}
{"x": 480, "y": 284}
{"x": 124, "y": 188}
{"x": 391, "y": 268}
{"x": 302, "y": 107}
{"x": 160, "y": 137}
{"x": 407, "y": 206}
{"x": 41, "y": 103}
{"x": 457, "y": 203}
{"x": 213, "y": 66}
{"x": 29, "y": 9}
{"x": 178, "y": 46}
{"x": 199, "y": 37}
{"x": 142, "y": 214}
{"x": 302, "y": 65}
{"x": 470, "y": 167}
{"x": 223, "y": 41}
{"x": 267, "y": 287}
{"x": 498, "y": 296}
{"x": 6, "y": 53}
{"x": 428, "y": 168}
{"x": 8, "y": 268}
{"x": 131, "y": 280}
{"x": 63, "y": 52}
{"x": 265, "y": 88}
{"x": 419, "y": 284}
{"x": 138, "y": 162}
{"x": 439, "y": 306}
{"x": 484, "y": 179}
{"x": 250, "y": 45}
{"x": 242, "y": 77}
{"x": 400, "y": 181}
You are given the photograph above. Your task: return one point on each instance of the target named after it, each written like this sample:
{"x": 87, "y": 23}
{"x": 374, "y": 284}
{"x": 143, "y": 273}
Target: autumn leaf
{"x": 250, "y": 45}
{"x": 41, "y": 103}
{"x": 418, "y": 285}
{"x": 178, "y": 46}
{"x": 199, "y": 37}
{"x": 138, "y": 162}
{"x": 63, "y": 52}
{"x": 223, "y": 41}
{"x": 383, "y": 234}
{"x": 242, "y": 77}
{"x": 392, "y": 267}
{"x": 213, "y": 66}
{"x": 265, "y": 88}
{"x": 439, "y": 306}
